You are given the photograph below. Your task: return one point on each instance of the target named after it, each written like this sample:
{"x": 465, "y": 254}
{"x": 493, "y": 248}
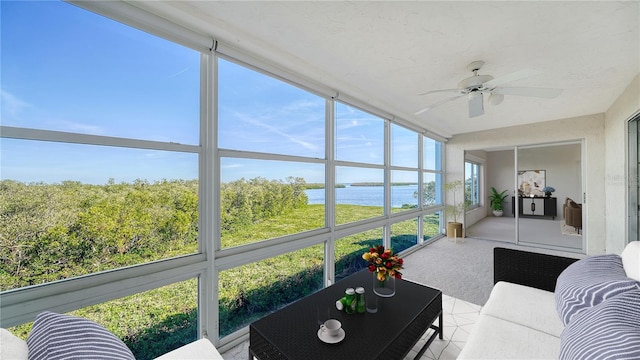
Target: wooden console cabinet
{"x": 535, "y": 206}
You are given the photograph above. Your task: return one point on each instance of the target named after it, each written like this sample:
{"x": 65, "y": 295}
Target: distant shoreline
{"x": 322, "y": 186}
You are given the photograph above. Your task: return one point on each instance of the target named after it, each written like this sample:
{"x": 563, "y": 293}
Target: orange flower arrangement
{"x": 384, "y": 262}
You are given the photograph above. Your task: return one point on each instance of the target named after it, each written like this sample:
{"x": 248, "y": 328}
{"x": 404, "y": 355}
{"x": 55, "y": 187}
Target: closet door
{"x": 538, "y": 168}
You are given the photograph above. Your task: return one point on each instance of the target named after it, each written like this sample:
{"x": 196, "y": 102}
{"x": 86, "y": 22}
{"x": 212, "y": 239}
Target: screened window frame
{"x": 74, "y": 293}
{"x": 476, "y": 183}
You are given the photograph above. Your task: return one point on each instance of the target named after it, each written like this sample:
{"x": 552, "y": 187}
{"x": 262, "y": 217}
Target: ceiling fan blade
{"x": 546, "y": 93}
{"x": 476, "y": 107}
{"x": 521, "y": 74}
{"x": 438, "y": 104}
{"x": 437, "y": 91}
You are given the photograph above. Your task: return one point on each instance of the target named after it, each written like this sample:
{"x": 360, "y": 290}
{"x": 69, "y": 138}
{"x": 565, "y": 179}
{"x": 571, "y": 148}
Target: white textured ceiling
{"x": 385, "y": 53}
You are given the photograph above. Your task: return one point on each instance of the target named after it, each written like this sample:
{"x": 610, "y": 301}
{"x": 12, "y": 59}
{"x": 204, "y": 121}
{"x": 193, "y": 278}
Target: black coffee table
{"x": 291, "y": 332}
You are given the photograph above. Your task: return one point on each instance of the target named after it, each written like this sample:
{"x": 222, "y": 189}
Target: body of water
{"x": 367, "y": 195}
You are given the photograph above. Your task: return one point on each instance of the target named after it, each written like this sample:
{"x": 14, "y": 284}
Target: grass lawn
{"x": 159, "y": 320}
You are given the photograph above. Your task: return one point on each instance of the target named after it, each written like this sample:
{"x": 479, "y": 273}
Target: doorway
{"x": 530, "y": 217}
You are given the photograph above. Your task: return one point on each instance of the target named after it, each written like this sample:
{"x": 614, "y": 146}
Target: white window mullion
{"x": 208, "y": 199}
{"x": 420, "y": 189}
{"x": 330, "y": 194}
{"x": 88, "y": 139}
{"x": 387, "y": 183}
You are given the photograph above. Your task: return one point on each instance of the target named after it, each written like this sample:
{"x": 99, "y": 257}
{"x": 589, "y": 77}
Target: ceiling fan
{"x": 476, "y": 86}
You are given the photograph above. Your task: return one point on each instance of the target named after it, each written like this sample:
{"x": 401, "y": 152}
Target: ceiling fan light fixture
{"x": 475, "y": 87}
{"x": 495, "y": 99}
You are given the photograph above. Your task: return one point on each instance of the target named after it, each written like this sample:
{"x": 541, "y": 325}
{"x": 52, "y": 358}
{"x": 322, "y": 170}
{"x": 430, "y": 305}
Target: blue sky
{"x": 67, "y": 69}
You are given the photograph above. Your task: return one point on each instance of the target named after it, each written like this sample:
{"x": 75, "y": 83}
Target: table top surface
{"x": 293, "y": 330}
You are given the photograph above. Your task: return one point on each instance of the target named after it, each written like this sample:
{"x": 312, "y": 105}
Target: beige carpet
{"x": 463, "y": 270}
{"x": 533, "y": 231}
{"x": 568, "y": 230}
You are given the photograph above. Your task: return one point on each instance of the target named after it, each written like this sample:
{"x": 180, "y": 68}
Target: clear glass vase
{"x": 386, "y": 288}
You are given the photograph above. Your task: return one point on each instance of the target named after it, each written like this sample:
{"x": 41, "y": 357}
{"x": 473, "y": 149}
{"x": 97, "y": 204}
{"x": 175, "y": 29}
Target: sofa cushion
{"x": 631, "y": 260}
{"x": 609, "y": 330}
{"x": 524, "y": 305}
{"x": 588, "y": 282}
{"x": 57, "y": 336}
{"x": 494, "y": 338}
{"x": 200, "y": 349}
{"x": 12, "y": 347}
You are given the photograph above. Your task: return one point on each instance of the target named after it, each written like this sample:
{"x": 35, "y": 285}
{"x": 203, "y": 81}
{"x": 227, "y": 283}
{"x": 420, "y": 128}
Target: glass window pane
{"x": 263, "y": 199}
{"x": 431, "y": 225}
{"x": 359, "y": 194}
{"x": 404, "y": 190}
{"x": 252, "y": 291}
{"x": 359, "y": 136}
{"x": 471, "y": 184}
{"x": 84, "y": 73}
{"x": 404, "y": 235}
{"x": 260, "y": 113}
{"x": 432, "y": 189}
{"x": 53, "y": 162}
{"x": 432, "y": 154}
{"x": 349, "y": 251}
{"x": 404, "y": 147}
{"x": 150, "y": 323}
{"x": 429, "y": 189}
{"x": 78, "y": 209}
{"x": 468, "y": 177}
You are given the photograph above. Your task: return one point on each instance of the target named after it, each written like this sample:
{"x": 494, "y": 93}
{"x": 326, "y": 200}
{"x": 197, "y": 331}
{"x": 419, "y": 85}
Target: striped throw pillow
{"x": 588, "y": 282}
{"x": 609, "y": 330}
{"x": 57, "y": 336}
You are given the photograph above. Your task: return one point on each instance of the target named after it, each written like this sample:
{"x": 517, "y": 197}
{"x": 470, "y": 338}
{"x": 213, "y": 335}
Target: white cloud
{"x": 71, "y": 126}
{"x": 275, "y": 130}
{"x": 12, "y": 104}
{"x": 297, "y": 106}
{"x": 232, "y": 166}
{"x": 178, "y": 73}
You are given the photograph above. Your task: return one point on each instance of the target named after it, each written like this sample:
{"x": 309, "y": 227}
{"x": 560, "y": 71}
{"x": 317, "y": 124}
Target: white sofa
{"x": 199, "y": 349}
{"x": 522, "y": 318}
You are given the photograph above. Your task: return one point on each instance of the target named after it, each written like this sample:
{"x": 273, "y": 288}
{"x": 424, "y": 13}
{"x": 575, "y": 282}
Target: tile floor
{"x": 459, "y": 317}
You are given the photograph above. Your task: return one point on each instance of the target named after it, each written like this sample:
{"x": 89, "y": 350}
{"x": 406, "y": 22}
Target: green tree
{"x": 428, "y": 193}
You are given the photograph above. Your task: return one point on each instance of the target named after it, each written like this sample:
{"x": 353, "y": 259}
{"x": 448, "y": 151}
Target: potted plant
{"x": 548, "y": 190}
{"x": 496, "y": 199}
{"x": 454, "y": 211}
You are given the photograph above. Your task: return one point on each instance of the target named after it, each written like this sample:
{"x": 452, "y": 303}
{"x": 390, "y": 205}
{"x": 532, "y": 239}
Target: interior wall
{"x": 479, "y": 213}
{"x": 589, "y": 127}
{"x": 500, "y": 175}
{"x": 617, "y": 179}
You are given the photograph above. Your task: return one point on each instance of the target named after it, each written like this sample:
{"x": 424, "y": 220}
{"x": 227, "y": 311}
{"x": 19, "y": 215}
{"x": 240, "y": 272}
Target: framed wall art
{"x": 531, "y": 182}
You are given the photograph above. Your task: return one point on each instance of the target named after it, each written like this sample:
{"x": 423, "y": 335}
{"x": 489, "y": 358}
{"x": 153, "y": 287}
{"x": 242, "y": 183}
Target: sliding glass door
{"x": 634, "y": 175}
{"x": 547, "y": 203}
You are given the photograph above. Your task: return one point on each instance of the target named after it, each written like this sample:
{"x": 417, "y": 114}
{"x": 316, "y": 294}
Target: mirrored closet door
{"x": 547, "y": 203}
